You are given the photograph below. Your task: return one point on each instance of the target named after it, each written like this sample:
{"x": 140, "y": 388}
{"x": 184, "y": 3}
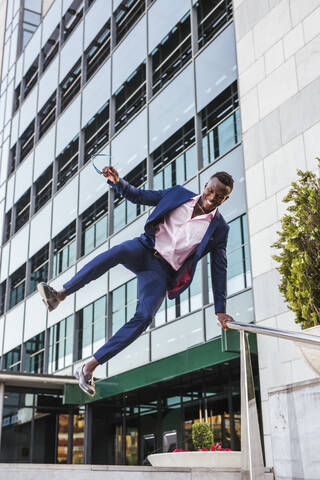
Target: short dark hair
{"x": 224, "y": 178}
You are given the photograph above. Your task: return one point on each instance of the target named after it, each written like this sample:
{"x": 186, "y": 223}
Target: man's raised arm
{"x": 131, "y": 193}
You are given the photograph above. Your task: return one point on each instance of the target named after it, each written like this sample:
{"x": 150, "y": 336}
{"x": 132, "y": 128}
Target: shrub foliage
{"x": 299, "y": 242}
{"x": 202, "y": 436}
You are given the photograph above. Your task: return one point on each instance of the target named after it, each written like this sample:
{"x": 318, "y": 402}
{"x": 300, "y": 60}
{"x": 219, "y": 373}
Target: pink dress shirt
{"x": 179, "y": 235}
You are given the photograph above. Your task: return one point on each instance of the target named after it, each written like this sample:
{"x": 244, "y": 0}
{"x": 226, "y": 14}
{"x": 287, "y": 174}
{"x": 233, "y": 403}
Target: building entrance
{"x": 159, "y": 418}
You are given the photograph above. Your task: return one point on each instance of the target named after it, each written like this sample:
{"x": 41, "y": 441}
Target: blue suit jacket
{"x": 213, "y": 242}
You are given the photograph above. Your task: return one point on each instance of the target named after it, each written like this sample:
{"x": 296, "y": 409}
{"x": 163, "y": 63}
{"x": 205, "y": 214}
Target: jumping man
{"x": 181, "y": 229}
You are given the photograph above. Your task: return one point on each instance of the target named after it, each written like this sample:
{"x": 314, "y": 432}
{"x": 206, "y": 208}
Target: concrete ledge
{"x": 32, "y": 471}
{"x": 294, "y": 386}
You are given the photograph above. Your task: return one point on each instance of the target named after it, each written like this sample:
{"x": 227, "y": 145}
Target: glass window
{"x": 61, "y": 344}
{"x": 50, "y": 48}
{"x": 34, "y": 354}
{"x": 12, "y": 159}
{"x": 64, "y": 249}
{"x": 125, "y": 211}
{"x": 30, "y": 78}
{"x": 188, "y": 301}
{"x": 126, "y": 15}
{"x": 92, "y": 327}
{"x": 3, "y": 287}
{"x": 26, "y": 141}
{"x": 47, "y": 115}
{"x": 70, "y": 86}
{"x": 78, "y": 437}
{"x": 162, "y": 17}
{"x": 17, "y": 98}
{"x": 43, "y": 188}
{"x": 94, "y": 223}
{"x": 39, "y": 268}
{"x": 7, "y": 226}
{"x": 175, "y": 161}
{"x": 220, "y": 124}
{"x": 17, "y": 286}
{"x": 22, "y": 210}
{"x": 12, "y": 359}
{"x": 96, "y": 132}
{"x": 98, "y": 51}
{"x": 239, "y": 269}
{"x": 124, "y": 302}
{"x": 171, "y": 54}
{"x": 131, "y": 96}
{"x": 31, "y": 20}
{"x": 67, "y": 162}
{"x": 212, "y": 16}
{"x": 129, "y": 147}
{"x": 216, "y": 67}
{"x": 172, "y": 108}
{"x": 71, "y": 18}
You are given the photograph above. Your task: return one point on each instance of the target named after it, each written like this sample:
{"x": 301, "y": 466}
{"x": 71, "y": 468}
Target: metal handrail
{"x": 252, "y": 465}
{"x": 274, "y": 332}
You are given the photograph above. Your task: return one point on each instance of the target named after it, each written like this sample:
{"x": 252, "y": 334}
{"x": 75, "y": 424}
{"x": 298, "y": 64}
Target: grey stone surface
{"x": 295, "y": 426}
{"x": 268, "y": 301}
{"x": 91, "y": 472}
{"x": 300, "y": 112}
{"x": 262, "y": 139}
{"x": 115, "y": 472}
{"x": 248, "y": 15}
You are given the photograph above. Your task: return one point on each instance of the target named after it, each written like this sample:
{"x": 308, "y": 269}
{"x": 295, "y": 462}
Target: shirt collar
{"x": 194, "y": 200}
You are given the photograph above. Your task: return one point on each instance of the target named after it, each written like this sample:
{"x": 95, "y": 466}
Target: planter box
{"x": 196, "y": 459}
{"x": 311, "y": 354}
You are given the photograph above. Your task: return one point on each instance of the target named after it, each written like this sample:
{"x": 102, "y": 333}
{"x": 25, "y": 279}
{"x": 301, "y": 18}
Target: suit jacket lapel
{"x": 180, "y": 196}
{"x": 210, "y": 230}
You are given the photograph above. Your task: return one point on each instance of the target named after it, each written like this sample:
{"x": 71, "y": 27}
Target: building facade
{"x": 156, "y": 85}
{"x": 279, "y": 76}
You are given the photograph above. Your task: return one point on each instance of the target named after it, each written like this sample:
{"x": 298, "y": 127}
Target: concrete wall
{"x": 295, "y": 427}
{"x": 278, "y": 53}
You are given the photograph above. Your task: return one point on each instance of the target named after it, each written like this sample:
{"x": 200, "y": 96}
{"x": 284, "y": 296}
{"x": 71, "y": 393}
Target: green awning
{"x": 201, "y": 356}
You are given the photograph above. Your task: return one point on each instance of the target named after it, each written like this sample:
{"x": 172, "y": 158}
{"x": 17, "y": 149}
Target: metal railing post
{"x": 252, "y": 466}
{"x": 252, "y": 459}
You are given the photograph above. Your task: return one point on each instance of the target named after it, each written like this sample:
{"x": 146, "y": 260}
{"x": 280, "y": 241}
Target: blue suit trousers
{"x": 154, "y": 278}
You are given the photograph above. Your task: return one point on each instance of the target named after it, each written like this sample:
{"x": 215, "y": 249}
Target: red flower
{"x": 202, "y": 449}
{"x": 178, "y": 450}
{"x": 216, "y": 447}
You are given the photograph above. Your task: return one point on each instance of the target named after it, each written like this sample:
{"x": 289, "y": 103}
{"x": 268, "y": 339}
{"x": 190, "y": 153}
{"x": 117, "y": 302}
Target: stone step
{"x": 32, "y": 471}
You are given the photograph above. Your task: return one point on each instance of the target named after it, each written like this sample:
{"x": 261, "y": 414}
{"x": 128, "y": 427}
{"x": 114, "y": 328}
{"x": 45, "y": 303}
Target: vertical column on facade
{"x": 80, "y": 159}
{"x": 32, "y": 430}
{"x": 197, "y": 118}
{"x": 149, "y": 95}
{"x": 1, "y": 407}
{"x": 28, "y": 275}
{"x": 231, "y": 413}
{"x": 70, "y": 436}
{"x": 75, "y": 337}
{"x": 88, "y": 435}
{"x": 46, "y": 350}
{"x": 124, "y": 430}
{"x": 50, "y": 266}
{"x": 112, "y": 99}
{"x": 198, "y": 136}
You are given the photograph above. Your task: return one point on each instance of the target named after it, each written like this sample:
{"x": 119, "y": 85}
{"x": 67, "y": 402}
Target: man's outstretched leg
{"x": 128, "y": 253}
{"x": 152, "y": 287}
